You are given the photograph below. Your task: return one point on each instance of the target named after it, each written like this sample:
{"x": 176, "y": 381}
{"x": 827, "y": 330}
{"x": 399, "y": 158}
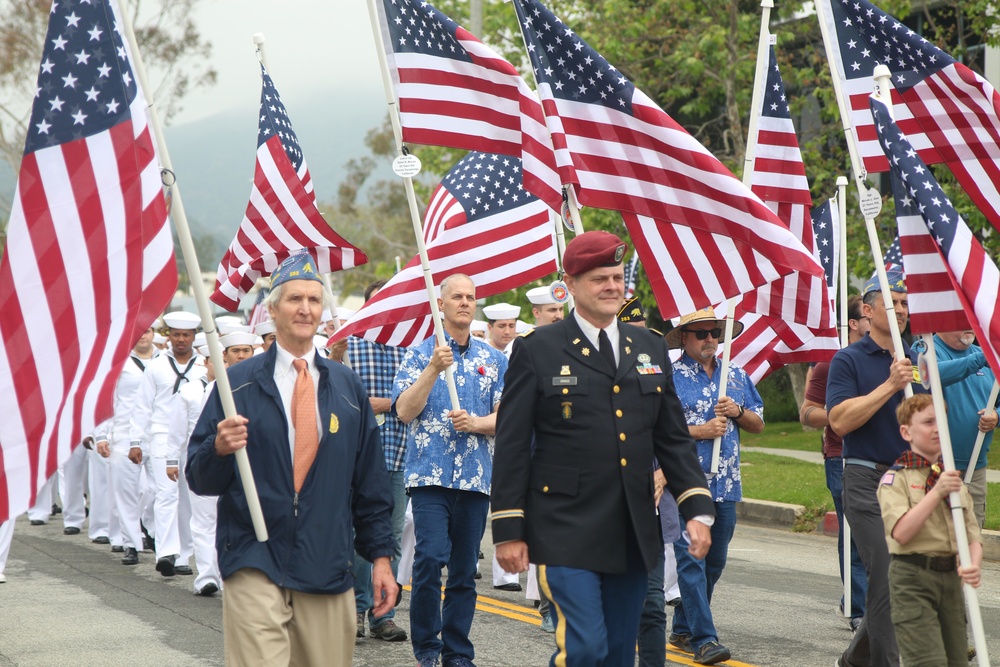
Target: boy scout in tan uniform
{"x": 925, "y": 581}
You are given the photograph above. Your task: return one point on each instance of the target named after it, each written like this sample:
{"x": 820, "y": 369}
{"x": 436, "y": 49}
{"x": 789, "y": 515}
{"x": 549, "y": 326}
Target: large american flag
{"x": 455, "y": 91}
{"x": 626, "y": 154}
{"x": 489, "y": 228}
{"x": 952, "y": 284}
{"x": 950, "y": 113}
{"x": 281, "y": 216}
{"x": 791, "y": 319}
{"x": 89, "y": 260}
{"x": 826, "y": 232}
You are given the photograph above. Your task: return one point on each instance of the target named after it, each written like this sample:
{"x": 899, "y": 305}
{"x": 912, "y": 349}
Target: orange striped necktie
{"x": 304, "y": 421}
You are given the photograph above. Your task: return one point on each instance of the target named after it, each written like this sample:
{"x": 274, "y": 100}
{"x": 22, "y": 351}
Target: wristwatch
{"x": 740, "y": 415}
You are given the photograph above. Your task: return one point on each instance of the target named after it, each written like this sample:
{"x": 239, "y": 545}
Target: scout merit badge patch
{"x": 646, "y": 368}
{"x": 334, "y": 423}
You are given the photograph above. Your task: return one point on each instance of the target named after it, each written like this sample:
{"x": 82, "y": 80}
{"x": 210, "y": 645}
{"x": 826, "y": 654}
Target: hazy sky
{"x": 310, "y": 47}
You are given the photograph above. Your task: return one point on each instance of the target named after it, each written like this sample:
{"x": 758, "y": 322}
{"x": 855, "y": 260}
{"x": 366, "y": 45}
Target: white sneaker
{"x": 3, "y": 579}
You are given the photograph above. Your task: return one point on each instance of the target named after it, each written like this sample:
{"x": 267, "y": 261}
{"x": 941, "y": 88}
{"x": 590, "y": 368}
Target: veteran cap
{"x": 897, "y": 281}
{"x": 300, "y": 266}
{"x": 501, "y": 311}
{"x": 632, "y": 311}
{"x": 180, "y": 319}
{"x": 591, "y": 250}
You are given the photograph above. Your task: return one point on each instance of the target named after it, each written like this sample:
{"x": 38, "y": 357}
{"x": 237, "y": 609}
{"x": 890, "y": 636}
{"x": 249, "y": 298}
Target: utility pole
{"x": 476, "y": 18}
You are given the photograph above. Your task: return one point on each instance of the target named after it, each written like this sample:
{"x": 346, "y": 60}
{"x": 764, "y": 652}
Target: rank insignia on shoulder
{"x": 528, "y": 332}
{"x": 334, "y": 423}
{"x": 887, "y": 478}
{"x": 658, "y": 333}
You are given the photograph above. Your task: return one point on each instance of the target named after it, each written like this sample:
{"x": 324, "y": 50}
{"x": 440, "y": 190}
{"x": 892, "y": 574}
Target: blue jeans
{"x": 859, "y": 581}
{"x": 697, "y": 579}
{"x": 653, "y": 622}
{"x": 363, "y": 596}
{"x": 448, "y": 525}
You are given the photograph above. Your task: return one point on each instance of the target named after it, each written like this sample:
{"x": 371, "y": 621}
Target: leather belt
{"x": 933, "y": 563}
{"x": 877, "y": 467}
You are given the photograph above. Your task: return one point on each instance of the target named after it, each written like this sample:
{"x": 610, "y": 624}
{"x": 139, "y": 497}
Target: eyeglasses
{"x": 702, "y": 334}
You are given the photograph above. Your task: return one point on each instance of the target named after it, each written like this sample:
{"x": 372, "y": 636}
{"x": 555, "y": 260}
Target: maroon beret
{"x": 591, "y": 250}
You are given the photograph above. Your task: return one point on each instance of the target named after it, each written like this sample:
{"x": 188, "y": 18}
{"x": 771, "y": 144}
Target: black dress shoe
{"x": 131, "y": 557}
{"x": 37, "y": 522}
{"x": 71, "y": 530}
{"x": 183, "y": 569}
{"x": 56, "y": 509}
{"x": 165, "y": 565}
{"x": 117, "y": 549}
{"x": 101, "y": 540}
{"x": 514, "y": 586}
{"x": 148, "y": 543}
{"x": 208, "y": 590}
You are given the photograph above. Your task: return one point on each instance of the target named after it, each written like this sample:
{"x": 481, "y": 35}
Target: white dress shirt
{"x": 285, "y": 376}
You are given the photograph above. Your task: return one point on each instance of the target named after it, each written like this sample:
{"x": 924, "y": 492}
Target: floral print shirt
{"x": 698, "y": 394}
{"x": 436, "y": 454}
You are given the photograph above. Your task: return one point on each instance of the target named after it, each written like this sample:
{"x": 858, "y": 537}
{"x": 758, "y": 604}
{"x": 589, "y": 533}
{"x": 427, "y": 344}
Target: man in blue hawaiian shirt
{"x": 448, "y": 471}
{"x": 697, "y": 376}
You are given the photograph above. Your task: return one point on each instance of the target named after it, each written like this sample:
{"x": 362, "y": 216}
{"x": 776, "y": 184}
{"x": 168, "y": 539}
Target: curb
{"x": 784, "y": 515}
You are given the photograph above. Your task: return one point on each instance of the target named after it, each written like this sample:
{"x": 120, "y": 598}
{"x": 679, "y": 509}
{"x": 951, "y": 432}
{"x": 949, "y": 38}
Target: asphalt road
{"x": 69, "y": 602}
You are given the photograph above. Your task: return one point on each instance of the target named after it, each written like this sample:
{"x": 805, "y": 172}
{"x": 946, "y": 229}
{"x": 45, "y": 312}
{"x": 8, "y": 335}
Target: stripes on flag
{"x": 281, "y": 217}
{"x": 950, "y": 113}
{"x": 952, "y": 284}
{"x": 455, "y": 91}
{"x": 487, "y": 226}
{"x": 89, "y": 258}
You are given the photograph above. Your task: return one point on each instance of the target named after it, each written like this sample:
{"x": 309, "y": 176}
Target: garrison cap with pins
{"x": 591, "y": 250}
{"x": 300, "y": 266}
{"x": 897, "y": 281}
{"x": 632, "y": 311}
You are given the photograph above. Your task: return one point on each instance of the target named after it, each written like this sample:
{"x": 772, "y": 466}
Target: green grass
{"x": 786, "y": 480}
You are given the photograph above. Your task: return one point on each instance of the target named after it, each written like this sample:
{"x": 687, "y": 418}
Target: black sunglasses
{"x": 702, "y": 334}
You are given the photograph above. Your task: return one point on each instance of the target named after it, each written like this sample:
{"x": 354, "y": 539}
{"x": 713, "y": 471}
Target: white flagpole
{"x": 955, "y": 501}
{"x": 871, "y": 200}
{"x": 194, "y": 274}
{"x": 981, "y": 436}
{"x": 411, "y": 197}
{"x": 764, "y": 43}
{"x": 844, "y": 331}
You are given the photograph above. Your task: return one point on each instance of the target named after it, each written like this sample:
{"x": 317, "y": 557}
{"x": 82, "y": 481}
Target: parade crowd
{"x": 585, "y": 439}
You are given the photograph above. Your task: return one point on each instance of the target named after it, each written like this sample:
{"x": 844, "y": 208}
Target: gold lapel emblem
{"x": 334, "y": 423}
{"x": 586, "y": 351}
{"x": 567, "y": 409}
{"x": 576, "y": 341}
{"x": 565, "y": 371}
{"x": 628, "y": 339}
{"x": 628, "y": 350}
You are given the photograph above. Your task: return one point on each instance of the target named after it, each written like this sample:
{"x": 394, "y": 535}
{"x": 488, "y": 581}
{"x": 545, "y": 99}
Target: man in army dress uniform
{"x": 599, "y": 400}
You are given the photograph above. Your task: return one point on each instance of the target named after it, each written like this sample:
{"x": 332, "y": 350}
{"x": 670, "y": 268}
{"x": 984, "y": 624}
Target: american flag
{"x": 455, "y": 91}
{"x": 791, "y": 319}
{"x": 950, "y": 113}
{"x": 893, "y": 255}
{"x": 826, "y": 227}
{"x": 281, "y": 216}
{"x": 89, "y": 260}
{"x": 489, "y": 228}
{"x": 259, "y": 313}
{"x": 952, "y": 284}
{"x": 626, "y": 154}
{"x": 631, "y": 274}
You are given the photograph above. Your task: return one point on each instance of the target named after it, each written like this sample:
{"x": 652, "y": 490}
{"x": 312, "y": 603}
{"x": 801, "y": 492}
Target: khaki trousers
{"x": 267, "y": 625}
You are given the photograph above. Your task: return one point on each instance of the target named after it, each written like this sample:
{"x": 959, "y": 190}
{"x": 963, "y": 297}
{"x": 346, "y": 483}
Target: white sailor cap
{"x": 237, "y": 338}
{"x": 226, "y": 328}
{"x": 264, "y": 328}
{"x": 203, "y": 351}
{"x": 501, "y": 311}
{"x": 520, "y": 327}
{"x": 478, "y": 325}
{"x": 200, "y": 339}
{"x": 344, "y": 314}
{"x": 180, "y": 319}
{"x": 159, "y": 339}
{"x": 326, "y": 316}
{"x": 540, "y": 296}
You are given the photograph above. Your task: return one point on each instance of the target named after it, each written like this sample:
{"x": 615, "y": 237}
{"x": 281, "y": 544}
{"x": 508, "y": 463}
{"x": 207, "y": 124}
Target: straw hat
{"x": 673, "y": 338}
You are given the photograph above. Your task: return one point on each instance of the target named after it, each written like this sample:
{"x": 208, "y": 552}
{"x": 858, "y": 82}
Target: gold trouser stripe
{"x": 543, "y": 583}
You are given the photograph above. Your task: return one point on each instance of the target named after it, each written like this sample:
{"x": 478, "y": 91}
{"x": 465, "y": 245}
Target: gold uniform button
{"x": 545, "y": 489}
{"x": 659, "y": 390}
{"x": 618, "y": 413}
{"x": 621, "y": 436}
{"x": 616, "y": 389}
{"x": 624, "y": 463}
{"x": 565, "y": 390}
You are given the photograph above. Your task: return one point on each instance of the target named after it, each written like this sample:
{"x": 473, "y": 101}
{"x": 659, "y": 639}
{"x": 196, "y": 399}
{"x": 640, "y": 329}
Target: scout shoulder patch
{"x": 887, "y": 478}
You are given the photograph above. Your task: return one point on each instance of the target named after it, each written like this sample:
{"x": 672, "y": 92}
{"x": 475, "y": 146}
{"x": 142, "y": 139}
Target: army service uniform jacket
{"x": 588, "y": 477}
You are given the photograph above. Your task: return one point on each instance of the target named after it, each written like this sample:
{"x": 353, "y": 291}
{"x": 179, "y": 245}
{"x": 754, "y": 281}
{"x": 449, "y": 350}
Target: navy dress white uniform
{"x": 583, "y": 499}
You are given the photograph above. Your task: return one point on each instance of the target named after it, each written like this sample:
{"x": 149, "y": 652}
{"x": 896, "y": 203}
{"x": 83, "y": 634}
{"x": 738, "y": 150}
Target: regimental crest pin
{"x": 628, "y": 350}
{"x": 334, "y": 423}
{"x": 565, "y": 371}
{"x": 643, "y": 358}
{"x": 586, "y": 351}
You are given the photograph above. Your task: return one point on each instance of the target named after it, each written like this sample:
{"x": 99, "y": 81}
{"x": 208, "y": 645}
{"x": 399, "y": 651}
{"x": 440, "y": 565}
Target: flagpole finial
{"x": 258, "y": 38}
